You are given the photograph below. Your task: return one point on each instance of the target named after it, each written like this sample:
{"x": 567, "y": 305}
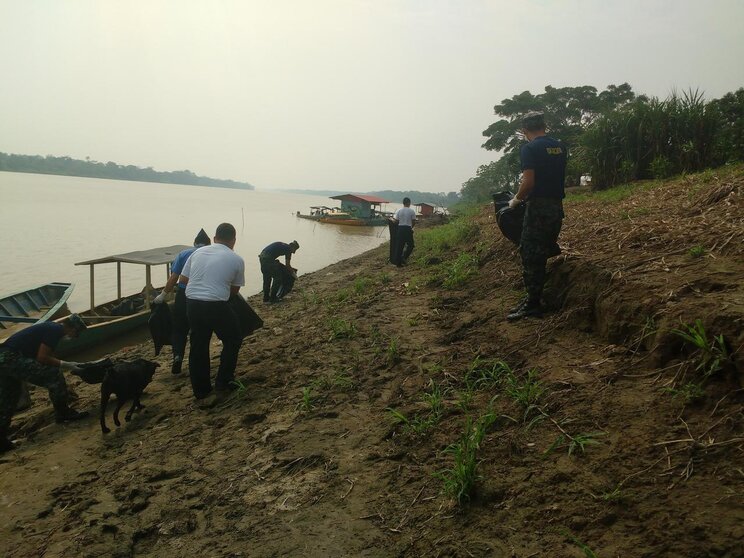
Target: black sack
{"x": 510, "y": 221}
{"x": 249, "y": 320}
{"x": 393, "y": 229}
{"x": 161, "y": 326}
{"x": 94, "y": 372}
{"x": 287, "y": 281}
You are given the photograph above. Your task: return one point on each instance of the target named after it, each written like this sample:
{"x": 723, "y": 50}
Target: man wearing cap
{"x": 271, "y": 268}
{"x": 543, "y": 162}
{"x": 179, "y": 317}
{"x": 28, "y": 356}
{"x": 211, "y": 275}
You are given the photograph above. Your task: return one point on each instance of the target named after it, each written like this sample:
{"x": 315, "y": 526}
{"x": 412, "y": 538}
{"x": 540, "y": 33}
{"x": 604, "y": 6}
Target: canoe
{"x": 124, "y": 313}
{"x": 39, "y": 304}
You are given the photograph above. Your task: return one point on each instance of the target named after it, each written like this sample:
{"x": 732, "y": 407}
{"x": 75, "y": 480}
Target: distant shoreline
{"x": 66, "y": 166}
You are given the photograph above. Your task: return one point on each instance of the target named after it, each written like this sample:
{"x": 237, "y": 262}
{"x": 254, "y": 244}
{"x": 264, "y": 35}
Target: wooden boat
{"x": 123, "y": 314}
{"x": 42, "y": 303}
{"x": 356, "y": 210}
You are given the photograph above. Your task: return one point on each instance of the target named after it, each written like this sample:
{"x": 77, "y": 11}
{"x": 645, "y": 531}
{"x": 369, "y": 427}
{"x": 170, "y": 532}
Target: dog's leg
{"x": 119, "y": 403}
{"x": 105, "y": 394}
{"x": 128, "y": 416}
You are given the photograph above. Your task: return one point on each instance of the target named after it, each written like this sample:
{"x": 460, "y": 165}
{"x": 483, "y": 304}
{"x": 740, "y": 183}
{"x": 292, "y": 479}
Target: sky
{"x": 356, "y": 95}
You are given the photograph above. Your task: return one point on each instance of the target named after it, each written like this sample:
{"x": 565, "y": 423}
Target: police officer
{"x": 543, "y": 162}
{"x": 180, "y": 319}
{"x": 28, "y": 356}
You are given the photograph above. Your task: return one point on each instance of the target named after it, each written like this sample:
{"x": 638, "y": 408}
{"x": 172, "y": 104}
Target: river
{"x": 47, "y": 223}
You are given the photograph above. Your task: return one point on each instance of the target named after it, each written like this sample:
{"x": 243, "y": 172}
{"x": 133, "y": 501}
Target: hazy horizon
{"x": 348, "y": 95}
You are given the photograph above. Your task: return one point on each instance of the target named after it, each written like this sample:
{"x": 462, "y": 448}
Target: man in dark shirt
{"x": 272, "y": 270}
{"x": 542, "y": 188}
{"x": 28, "y": 356}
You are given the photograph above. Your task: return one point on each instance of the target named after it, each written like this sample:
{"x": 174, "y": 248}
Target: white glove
{"x": 514, "y": 202}
{"x": 159, "y": 299}
{"x": 69, "y": 366}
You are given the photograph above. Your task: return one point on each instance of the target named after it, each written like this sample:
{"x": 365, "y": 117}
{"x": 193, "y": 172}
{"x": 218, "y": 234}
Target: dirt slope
{"x": 310, "y": 461}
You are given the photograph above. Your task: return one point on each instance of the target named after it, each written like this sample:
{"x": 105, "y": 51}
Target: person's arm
{"x": 527, "y": 185}
{"x": 183, "y": 279}
{"x": 234, "y": 289}
{"x": 171, "y": 283}
{"x": 45, "y": 355}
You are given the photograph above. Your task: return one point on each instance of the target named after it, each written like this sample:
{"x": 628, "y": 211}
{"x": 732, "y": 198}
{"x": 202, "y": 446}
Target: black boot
{"x": 176, "y": 366}
{"x": 7, "y": 445}
{"x": 70, "y": 415}
{"x": 529, "y": 310}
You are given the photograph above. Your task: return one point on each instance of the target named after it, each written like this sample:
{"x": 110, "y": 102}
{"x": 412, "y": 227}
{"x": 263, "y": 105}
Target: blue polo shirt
{"x": 181, "y": 259}
{"x": 27, "y": 341}
{"x": 547, "y": 157}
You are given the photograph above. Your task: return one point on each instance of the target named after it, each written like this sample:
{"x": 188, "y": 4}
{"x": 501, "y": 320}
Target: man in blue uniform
{"x": 271, "y": 269}
{"x": 28, "y": 356}
{"x": 542, "y": 189}
{"x": 179, "y": 318}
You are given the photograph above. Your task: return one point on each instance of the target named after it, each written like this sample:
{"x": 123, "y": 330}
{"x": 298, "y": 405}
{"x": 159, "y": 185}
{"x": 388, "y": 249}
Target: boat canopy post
{"x": 118, "y": 281}
{"x": 92, "y": 288}
{"x": 148, "y": 286}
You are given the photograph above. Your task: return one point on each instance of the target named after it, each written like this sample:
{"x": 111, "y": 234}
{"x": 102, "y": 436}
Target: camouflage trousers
{"x": 542, "y": 224}
{"x": 15, "y": 369}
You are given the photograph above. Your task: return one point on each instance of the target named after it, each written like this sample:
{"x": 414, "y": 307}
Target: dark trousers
{"x": 404, "y": 241}
{"x": 543, "y": 219}
{"x": 206, "y": 318}
{"x": 180, "y": 324}
{"x": 15, "y": 369}
{"x": 271, "y": 270}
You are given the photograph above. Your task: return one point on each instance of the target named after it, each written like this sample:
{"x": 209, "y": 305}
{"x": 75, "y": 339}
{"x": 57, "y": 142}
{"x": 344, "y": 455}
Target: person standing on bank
{"x": 271, "y": 269}
{"x": 211, "y": 275}
{"x": 405, "y": 217}
{"x": 28, "y": 356}
{"x": 542, "y": 189}
{"x": 180, "y": 320}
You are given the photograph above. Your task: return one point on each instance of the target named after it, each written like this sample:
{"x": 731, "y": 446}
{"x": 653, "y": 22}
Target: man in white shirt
{"x": 405, "y": 217}
{"x": 211, "y": 275}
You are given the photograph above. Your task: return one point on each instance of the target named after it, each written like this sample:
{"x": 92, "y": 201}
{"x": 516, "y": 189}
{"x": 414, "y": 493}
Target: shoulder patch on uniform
{"x": 554, "y": 150}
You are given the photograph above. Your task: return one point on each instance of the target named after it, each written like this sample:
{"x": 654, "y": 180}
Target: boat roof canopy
{"x": 360, "y": 197}
{"x": 154, "y": 256}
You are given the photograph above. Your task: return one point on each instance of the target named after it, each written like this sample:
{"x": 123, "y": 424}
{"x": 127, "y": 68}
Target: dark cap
{"x": 533, "y": 120}
{"x": 295, "y": 244}
{"x": 76, "y": 322}
{"x": 202, "y": 238}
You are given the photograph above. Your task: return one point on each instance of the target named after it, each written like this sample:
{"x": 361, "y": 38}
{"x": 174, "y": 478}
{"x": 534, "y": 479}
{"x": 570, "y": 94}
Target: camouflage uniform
{"x": 542, "y": 224}
{"x": 14, "y": 369}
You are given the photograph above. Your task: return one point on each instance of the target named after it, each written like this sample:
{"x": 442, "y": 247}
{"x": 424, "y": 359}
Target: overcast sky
{"x": 354, "y": 95}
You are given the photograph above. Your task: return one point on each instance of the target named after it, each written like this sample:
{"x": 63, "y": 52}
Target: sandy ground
{"x": 309, "y": 459}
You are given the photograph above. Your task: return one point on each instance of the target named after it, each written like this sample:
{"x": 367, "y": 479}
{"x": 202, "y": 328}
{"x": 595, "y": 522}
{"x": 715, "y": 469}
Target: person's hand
{"x": 159, "y": 299}
{"x": 514, "y": 202}
{"x": 69, "y": 366}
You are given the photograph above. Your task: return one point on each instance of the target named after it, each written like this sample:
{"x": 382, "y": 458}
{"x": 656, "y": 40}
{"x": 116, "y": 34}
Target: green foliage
{"x": 306, "y": 403}
{"x": 240, "y": 388}
{"x": 392, "y": 354}
{"x": 438, "y": 240}
{"x": 385, "y": 278}
{"x": 697, "y": 251}
{"x": 341, "y": 329}
{"x": 651, "y": 138}
{"x": 362, "y": 285}
{"x": 459, "y": 480}
{"x": 730, "y": 139}
{"x": 712, "y": 354}
{"x": 575, "y": 442}
{"x": 485, "y": 373}
{"x": 688, "y": 392}
{"x": 588, "y": 552}
{"x": 525, "y": 391}
{"x": 456, "y": 272}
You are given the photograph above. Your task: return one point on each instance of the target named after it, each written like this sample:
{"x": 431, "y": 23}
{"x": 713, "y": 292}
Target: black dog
{"x": 126, "y": 380}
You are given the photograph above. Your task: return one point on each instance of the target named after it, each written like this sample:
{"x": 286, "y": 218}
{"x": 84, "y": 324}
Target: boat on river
{"x": 356, "y": 210}
{"x": 35, "y": 305}
{"x": 124, "y": 313}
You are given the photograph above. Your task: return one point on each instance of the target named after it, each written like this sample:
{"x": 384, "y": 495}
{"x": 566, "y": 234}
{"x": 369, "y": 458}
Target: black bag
{"x": 287, "y": 282}
{"x": 249, "y": 320}
{"x": 510, "y": 221}
{"x": 160, "y": 326}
